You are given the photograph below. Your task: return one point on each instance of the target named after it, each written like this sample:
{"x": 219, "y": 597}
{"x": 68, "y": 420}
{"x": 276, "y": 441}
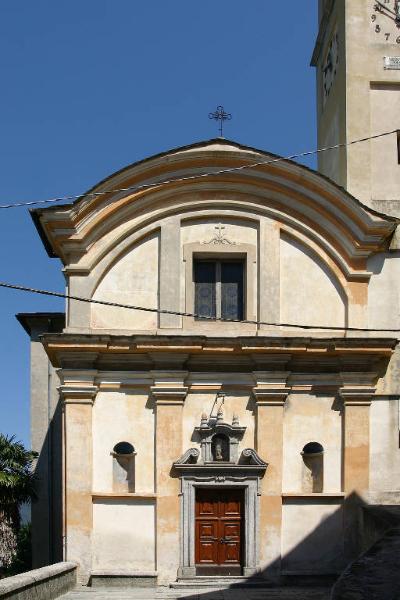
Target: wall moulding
{"x": 123, "y": 496}
{"x": 359, "y": 355}
{"x": 298, "y": 195}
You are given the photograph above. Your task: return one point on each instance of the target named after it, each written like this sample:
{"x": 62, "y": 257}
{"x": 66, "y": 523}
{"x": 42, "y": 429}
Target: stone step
{"x": 166, "y": 593}
{"x": 220, "y": 583}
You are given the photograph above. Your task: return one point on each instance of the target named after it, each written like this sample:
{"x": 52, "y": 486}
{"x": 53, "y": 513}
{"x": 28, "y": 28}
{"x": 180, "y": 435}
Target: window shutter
{"x": 204, "y": 278}
{"x": 232, "y": 290}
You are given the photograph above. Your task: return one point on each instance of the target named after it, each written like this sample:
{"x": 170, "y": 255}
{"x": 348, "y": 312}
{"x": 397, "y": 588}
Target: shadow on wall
{"x": 374, "y": 529}
{"x": 46, "y": 512}
{"x": 315, "y": 559}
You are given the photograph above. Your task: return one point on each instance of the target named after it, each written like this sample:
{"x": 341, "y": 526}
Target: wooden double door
{"x": 219, "y": 531}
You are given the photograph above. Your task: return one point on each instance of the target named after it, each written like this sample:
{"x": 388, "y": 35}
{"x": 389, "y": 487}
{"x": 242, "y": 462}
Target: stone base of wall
{"x": 46, "y": 583}
{"x": 108, "y": 579}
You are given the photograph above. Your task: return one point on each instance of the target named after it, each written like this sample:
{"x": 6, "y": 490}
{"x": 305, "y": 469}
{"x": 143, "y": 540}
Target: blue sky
{"x": 90, "y": 86}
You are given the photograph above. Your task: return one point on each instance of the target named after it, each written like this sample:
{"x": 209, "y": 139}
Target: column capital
{"x": 357, "y": 397}
{"x": 358, "y": 389}
{"x": 361, "y": 380}
{"x": 270, "y": 397}
{"x": 169, "y": 394}
{"x": 75, "y": 394}
{"x": 270, "y": 388}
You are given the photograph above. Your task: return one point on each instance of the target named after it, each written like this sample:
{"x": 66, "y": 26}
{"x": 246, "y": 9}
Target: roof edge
{"x": 37, "y": 212}
{"x": 27, "y": 321}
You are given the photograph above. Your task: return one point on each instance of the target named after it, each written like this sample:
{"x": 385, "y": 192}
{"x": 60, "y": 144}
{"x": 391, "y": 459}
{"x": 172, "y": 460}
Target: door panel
{"x": 219, "y": 525}
{"x": 232, "y": 508}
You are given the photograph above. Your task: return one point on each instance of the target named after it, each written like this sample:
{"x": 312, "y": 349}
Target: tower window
{"x": 219, "y": 289}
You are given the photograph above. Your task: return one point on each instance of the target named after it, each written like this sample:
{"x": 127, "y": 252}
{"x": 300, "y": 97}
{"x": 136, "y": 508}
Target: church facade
{"x": 239, "y": 424}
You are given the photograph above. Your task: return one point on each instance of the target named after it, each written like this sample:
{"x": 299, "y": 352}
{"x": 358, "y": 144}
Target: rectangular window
{"x": 219, "y": 289}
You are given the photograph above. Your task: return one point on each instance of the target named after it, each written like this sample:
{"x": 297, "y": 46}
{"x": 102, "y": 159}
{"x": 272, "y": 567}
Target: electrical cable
{"x": 187, "y": 314}
{"x": 199, "y": 175}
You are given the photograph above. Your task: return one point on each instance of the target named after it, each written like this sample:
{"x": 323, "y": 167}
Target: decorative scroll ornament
{"x": 219, "y": 238}
{"x": 189, "y": 457}
{"x": 251, "y": 457}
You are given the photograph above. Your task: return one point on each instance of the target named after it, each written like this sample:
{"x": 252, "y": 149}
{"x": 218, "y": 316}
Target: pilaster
{"x": 169, "y": 393}
{"x": 269, "y": 273}
{"x": 170, "y": 264}
{"x": 270, "y": 394}
{"x": 356, "y": 395}
{"x": 77, "y": 402}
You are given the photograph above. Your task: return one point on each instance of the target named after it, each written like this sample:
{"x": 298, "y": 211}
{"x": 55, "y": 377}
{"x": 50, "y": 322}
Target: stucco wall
{"x": 309, "y": 293}
{"x": 123, "y": 416}
{"x": 123, "y": 535}
{"x": 286, "y": 280}
{"x": 383, "y": 294}
{"x": 312, "y": 535}
{"x": 384, "y": 446}
{"x": 132, "y": 279}
{"x": 310, "y": 418}
{"x": 385, "y": 172}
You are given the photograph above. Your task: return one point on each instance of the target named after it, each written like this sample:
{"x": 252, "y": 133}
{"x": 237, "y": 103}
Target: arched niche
{"x": 123, "y": 457}
{"x": 313, "y": 468}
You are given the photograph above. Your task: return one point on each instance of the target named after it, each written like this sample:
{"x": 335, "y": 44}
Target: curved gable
{"x": 182, "y": 196}
{"x": 293, "y": 194}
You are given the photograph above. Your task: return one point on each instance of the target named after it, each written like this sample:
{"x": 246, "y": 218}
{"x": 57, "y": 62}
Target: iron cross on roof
{"x": 221, "y": 116}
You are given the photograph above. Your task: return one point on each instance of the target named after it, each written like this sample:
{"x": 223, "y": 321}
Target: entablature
{"x": 210, "y": 363}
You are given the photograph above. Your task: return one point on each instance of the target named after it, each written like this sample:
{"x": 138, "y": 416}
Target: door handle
{"x": 225, "y": 540}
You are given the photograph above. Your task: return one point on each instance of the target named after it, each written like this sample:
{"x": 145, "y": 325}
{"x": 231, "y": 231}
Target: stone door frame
{"x": 250, "y": 485}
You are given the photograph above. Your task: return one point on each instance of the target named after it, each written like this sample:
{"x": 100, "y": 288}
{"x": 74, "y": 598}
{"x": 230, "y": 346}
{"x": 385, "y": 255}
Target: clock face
{"x": 330, "y": 65}
{"x": 385, "y": 21}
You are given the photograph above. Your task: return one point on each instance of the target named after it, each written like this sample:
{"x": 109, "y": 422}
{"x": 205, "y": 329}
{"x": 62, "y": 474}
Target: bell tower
{"x": 357, "y": 60}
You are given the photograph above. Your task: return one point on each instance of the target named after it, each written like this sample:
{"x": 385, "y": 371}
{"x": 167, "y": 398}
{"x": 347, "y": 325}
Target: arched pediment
{"x": 300, "y": 199}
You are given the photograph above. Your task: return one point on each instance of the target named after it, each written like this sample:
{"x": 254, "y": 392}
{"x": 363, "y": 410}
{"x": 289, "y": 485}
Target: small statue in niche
{"x": 220, "y": 448}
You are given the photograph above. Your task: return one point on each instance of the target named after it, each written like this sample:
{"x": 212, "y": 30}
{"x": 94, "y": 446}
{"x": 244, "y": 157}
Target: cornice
{"x": 349, "y": 357}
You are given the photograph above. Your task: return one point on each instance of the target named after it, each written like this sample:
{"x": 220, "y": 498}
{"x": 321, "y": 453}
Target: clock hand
{"x": 379, "y": 7}
{"x": 395, "y": 16}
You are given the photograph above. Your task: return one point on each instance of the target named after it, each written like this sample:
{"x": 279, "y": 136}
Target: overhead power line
{"x": 161, "y": 311}
{"x": 136, "y": 188}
